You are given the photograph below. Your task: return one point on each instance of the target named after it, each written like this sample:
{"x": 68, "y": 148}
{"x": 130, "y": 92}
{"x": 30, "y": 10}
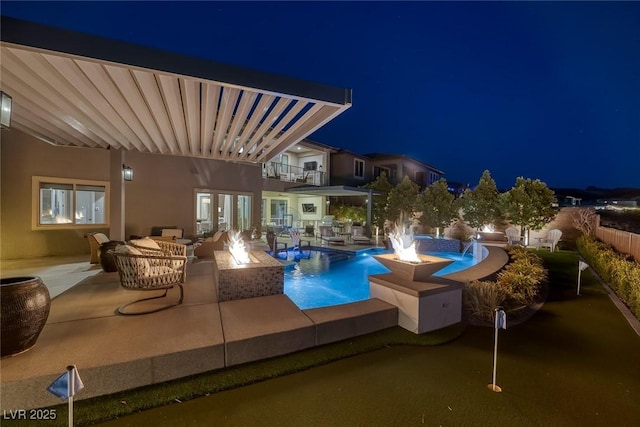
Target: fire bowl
{"x": 417, "y": 272}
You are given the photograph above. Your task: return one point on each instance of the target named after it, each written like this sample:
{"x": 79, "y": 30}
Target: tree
{"x": 481, "y": 205}
{"x": 438, "y": 206}
{"x": 529, "y": 204}
{"x": 382, "y": 185}
{"x": 402, "y": 199}
{"x": 585, "y": 220}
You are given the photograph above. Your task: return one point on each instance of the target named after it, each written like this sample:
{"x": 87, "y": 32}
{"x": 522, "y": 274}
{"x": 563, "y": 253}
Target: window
{"x": 358, "y": 168}
{"x": 69, "y": 203}
{"x": 433, "y": 177}
{"x": 224, "y": 212}
{"x": 377, "y": 170}
{"x": 310, "y": 166}
{"x": 244, "y": 212}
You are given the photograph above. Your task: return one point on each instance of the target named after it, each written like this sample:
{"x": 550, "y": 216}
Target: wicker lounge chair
{"x": 95, "y": 240}
{"x": 206, "y": 248}
{"x": 327, "y": 235}
{"x": 358, "y": 236}
{"x": 145, "y": 269}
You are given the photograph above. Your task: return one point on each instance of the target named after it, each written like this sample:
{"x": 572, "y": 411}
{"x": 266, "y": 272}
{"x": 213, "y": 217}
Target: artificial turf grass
{"x": 120, "y": 404}
{"x": 529, "y": 354}
{"x": 572, "y": 364}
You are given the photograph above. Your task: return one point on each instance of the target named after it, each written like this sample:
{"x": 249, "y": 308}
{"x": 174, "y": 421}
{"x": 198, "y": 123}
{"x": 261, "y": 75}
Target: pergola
{"x": 82, "y": 90}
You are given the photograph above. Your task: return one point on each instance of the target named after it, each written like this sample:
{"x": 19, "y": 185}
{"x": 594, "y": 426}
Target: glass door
{"x": 204, "y": 213}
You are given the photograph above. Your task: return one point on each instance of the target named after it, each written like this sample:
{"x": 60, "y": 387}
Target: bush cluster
{"x": 622, "y": 274}
{"x": 517, "y": 285}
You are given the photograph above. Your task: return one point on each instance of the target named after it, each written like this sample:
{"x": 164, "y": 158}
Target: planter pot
{"x": 25, "y": 303}
{"x": 107, "y": 261}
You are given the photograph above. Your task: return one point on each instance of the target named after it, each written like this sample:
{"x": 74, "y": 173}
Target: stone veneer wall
{"x": 263, "y": 277}
{"x": 437, "y": 245}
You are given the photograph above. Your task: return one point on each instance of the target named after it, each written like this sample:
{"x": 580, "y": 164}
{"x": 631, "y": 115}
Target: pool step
{"x": 338, "y": 256}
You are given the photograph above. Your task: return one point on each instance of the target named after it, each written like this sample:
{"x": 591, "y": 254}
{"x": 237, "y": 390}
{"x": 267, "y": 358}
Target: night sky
{"x": 536, "y": 89}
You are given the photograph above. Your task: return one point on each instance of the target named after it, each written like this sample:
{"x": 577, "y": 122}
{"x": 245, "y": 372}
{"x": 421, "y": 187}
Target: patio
{"x": 115, "y": 352}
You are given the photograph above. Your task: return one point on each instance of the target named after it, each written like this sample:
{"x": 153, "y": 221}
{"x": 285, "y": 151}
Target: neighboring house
{"x": 398, "y": 166}
{"x": 348, "y": 168}
{"x": 196, "y": 134}
{"x": 351, "y": 169}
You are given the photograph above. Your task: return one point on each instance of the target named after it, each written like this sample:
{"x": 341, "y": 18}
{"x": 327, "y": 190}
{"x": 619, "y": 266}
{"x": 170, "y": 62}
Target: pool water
{"x": 330, "y": 278}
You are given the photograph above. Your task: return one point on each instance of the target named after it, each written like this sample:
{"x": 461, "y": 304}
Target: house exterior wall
{"x": 342, "y": 169}
{"x": 23, "y": 157}
{"x": 162, "y": 192}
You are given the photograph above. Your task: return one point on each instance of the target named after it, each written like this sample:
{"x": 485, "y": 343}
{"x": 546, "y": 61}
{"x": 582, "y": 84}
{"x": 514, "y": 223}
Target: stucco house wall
{"x": 23, "y": 157}
{"x": 162, "y": 192}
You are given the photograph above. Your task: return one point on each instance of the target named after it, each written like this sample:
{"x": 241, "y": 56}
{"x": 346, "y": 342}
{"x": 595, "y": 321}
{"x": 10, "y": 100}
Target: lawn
{"x": 574, "y": 363}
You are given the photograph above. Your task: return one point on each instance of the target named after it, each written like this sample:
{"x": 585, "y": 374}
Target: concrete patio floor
{"x": 114, "y": 352}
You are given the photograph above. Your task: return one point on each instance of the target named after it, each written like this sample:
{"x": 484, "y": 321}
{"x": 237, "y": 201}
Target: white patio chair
{"x": 551, "y": 241}
{"x": 298, "y": 245}
{"x": 513, "y": 236}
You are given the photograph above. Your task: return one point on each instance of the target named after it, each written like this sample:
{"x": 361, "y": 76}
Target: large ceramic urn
{"x": 25, "y": 304}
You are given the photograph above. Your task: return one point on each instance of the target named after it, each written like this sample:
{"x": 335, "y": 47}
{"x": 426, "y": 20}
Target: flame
{"x": 237, "y": 248}
{"x": 488, "y": 228}
{"x": 404, "y": 246}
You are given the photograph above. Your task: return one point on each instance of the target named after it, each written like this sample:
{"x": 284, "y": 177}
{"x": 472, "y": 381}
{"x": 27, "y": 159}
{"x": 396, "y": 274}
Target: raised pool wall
{"x": 426, "y": 243}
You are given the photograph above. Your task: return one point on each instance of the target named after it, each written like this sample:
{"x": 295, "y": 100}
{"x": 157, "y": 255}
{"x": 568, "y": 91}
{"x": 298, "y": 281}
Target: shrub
{"x": 622, "y": 274}
{"x": 481, "y": 298}
{"x": 522, "y": 277}
{"x": 517, "y": 284}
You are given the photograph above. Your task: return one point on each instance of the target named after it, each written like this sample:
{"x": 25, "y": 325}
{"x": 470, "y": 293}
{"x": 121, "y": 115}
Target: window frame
{"x": 36, "y": 181}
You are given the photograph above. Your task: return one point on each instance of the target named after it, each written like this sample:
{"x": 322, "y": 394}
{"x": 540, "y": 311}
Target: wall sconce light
{"x": 127, "y": 173}
{"x": 5, "y": 110}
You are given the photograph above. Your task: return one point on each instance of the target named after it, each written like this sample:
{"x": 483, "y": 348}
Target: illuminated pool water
{"x": 330, "y": 279}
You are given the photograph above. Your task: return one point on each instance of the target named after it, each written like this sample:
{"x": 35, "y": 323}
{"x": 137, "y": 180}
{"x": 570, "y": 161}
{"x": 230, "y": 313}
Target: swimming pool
{"x": 330, "y": 278}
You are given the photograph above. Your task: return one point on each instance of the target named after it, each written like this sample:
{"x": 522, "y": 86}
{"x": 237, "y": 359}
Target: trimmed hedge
{"x": 621, "y": 273}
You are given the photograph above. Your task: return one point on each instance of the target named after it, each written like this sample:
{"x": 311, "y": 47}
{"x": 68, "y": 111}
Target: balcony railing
{"x": 290, "y": 173}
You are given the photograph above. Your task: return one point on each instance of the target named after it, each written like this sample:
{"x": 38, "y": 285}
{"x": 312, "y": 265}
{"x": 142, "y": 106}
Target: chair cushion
{"x": 141, "y": 266}
{"x": 159, "y": 270}
{"x": 127, "y": 250}
{"x": 100, "y": 238}
{"x": 146, "y": 242}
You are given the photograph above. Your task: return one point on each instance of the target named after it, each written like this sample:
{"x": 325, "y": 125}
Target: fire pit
{"x": 424, "y": 302}
{"x": 239, "y": 273}
{"x": 414, "y": 271}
